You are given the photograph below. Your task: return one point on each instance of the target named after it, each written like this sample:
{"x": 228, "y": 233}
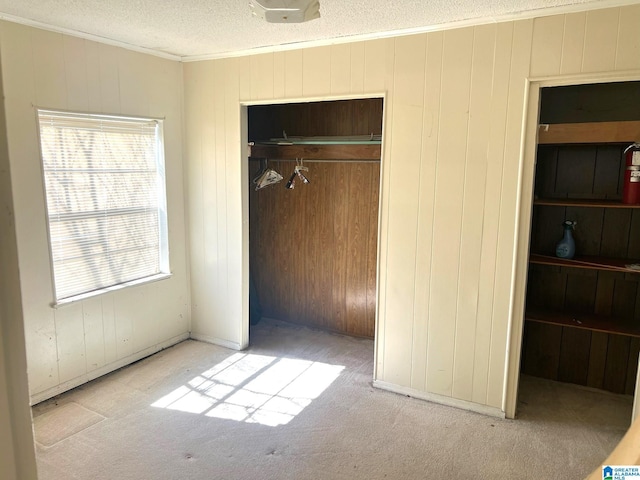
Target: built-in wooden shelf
{"x": 580, "y": 202}
{"x": 579, "y": 165}
{"x": 592, "y": 263}
{"x": 596, "y": 323}
{"x": 592, "y": 132}
{"x": 316, "y": 152}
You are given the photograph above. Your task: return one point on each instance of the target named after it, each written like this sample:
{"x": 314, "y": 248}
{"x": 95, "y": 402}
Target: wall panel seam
{"x": 417, "y": 295}
{"x": 57, "y": 367}
{"x": 417, "y": 239}
{"x": 104, "y": 335}
{"x": 226, "y": 196}
{"x": 435, "y": 202}
{"x": 495, "y": 266}
{"x": 615, "y": 57}
{"x": 486, "y": 181}
{"x": 564, "y": 34}
{"x": 462, "y": 212}
{"x": 202, "y": 186}
{"x": 84, "y": 336}
{"x": 584, "y": 41}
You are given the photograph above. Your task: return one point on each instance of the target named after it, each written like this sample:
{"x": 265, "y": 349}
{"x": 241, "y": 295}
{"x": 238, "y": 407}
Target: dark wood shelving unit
{"x": 589, "y": 262}
{"x": 595, "y": 323}
{"x": 589, "y": 133}
{"x": 579, "y": 202}
{"x": 582, "y": 315}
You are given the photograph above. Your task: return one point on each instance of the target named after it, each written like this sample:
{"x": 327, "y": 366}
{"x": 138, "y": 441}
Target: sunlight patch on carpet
{"x": 253, "y": 389}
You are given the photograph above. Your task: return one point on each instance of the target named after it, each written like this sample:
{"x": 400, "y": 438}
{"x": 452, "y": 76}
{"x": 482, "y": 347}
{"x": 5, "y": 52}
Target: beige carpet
{"x": 299, "y": 405}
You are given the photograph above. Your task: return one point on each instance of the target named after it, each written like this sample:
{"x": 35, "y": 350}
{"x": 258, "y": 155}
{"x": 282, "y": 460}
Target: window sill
{"x": 84, "y": 296}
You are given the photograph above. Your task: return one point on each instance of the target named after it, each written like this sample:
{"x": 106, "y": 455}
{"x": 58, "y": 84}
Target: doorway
{"x": 313, "y": 224}
{"x": 581, "y": 313}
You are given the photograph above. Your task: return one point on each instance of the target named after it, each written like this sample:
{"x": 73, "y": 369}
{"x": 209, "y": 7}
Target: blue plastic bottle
{"x": 566, "y": 248}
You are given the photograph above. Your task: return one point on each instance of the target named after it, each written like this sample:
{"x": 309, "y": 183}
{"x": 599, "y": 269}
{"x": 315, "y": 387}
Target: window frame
{"x": 161, "y": 183}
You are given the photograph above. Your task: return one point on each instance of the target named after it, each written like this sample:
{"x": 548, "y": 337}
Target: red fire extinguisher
{"x": 631, "y": 188}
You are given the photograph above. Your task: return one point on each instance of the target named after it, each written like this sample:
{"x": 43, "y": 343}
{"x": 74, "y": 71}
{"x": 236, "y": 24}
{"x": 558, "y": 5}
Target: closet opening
{"x": 313, "y": 181}
{"x": 582, "y": 307}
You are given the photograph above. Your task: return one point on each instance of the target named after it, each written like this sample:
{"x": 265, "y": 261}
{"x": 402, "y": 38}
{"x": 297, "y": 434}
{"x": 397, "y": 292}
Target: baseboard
{"x": 122, "y": 362}
{"x": 441, "y": 399}
{"x": 216, "y": 341}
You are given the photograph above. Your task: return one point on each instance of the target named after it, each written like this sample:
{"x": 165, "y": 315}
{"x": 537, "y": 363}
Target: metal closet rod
{"x": 318, "y": 160}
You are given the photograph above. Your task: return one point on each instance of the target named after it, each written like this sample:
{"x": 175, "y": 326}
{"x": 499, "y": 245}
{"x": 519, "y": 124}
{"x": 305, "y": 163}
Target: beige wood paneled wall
{"x": 454, "y": 112}
{"x": 74, "y": 343}
{"x": 17, "y": 449}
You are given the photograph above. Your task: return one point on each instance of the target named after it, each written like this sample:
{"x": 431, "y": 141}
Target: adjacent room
{"x": 309, "y": 240}
{"x": 582, "y": 309}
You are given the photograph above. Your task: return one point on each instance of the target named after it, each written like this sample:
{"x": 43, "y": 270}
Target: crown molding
{"x": 88, "y": 36}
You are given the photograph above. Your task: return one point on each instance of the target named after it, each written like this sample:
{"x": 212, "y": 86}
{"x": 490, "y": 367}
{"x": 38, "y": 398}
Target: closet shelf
{"x": 581, "y": 202}
{"x": 588, "y": 262}
{"x": 354, "y": 147}
{"x": 596, "y": 323}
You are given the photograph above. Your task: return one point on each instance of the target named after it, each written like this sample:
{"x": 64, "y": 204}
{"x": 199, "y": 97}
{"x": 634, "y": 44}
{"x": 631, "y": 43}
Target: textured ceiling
{"x": 202, "y": 28}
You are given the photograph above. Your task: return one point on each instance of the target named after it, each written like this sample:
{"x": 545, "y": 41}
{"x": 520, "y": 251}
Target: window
{"x": 105, "y": 189}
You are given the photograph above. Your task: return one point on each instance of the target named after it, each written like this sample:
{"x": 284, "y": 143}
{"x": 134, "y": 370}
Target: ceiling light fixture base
{"x": 285, "y": 11}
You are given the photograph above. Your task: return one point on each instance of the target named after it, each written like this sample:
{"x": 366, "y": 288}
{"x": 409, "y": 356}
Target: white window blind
{"x": 105, "y": 189}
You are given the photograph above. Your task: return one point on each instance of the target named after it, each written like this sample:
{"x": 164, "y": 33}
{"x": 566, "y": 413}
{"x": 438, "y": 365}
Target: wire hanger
{"x": 297, "y": 172}
{"x": 266, "y": 176}
{"x": 261, "y": 170}
{"x": 299, "y": 169}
